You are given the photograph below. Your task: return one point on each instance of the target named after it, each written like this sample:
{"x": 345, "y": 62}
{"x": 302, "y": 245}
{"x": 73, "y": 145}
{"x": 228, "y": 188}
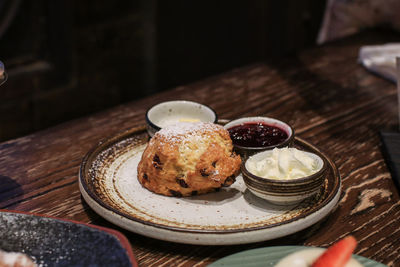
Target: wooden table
{"x": 330, "y": 100}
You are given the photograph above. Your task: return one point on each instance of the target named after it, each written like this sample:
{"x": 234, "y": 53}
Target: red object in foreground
{"x": 338, "y": 254}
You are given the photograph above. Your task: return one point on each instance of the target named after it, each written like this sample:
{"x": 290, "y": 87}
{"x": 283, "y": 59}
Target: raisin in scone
{"x": 187, "y": 159}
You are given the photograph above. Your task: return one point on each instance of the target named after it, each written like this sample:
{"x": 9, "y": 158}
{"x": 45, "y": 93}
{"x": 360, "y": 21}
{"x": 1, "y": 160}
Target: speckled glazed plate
{"x": 54, "y": 242}
{"x": 109, "y": 184}
{"x": 270, "y": 256}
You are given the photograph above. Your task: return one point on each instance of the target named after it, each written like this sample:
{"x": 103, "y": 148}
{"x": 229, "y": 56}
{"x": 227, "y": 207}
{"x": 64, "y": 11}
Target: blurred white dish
{"x": 305, "y": 258}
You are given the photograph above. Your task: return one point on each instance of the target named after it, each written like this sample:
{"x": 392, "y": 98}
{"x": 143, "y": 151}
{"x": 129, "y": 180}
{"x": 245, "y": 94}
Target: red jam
{"x": 257, "y": 134}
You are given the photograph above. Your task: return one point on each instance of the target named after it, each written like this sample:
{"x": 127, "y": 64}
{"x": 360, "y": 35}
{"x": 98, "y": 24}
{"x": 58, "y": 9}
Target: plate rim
{"x": 131, "y": 223}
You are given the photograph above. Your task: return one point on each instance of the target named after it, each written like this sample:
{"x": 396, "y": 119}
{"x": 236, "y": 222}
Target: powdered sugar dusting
{"x": 184, "y": 130}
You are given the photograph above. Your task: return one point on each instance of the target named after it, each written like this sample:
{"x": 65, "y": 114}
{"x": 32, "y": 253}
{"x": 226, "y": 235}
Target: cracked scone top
{"x": 187, "y": 159}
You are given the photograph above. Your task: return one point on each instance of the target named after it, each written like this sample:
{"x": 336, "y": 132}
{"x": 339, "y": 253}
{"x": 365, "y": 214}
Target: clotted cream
{"x": 283, "y": 164}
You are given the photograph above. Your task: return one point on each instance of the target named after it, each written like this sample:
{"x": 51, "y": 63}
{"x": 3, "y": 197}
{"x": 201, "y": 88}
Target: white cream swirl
{"x": 283, "y": 164}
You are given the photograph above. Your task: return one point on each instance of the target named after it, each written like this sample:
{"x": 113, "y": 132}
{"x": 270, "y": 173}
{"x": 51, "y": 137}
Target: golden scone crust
{"x": 188, "y": 159}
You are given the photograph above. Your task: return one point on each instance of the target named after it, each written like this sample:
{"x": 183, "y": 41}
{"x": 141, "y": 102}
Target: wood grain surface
{"x": 329, "y": 99}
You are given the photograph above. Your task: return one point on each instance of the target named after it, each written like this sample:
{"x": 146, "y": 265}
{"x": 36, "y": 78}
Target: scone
{"x": 187, "y": 159}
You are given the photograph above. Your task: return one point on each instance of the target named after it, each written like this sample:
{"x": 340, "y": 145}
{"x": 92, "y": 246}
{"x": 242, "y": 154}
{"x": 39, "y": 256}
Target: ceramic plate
{"x": 54, "y": 242}
{"x": 109, "y": 184}
{"x": 270, "y": 256}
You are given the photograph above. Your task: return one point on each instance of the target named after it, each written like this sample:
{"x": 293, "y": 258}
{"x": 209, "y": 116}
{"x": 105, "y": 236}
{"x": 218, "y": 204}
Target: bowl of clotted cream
{"x": 285, "y": 175}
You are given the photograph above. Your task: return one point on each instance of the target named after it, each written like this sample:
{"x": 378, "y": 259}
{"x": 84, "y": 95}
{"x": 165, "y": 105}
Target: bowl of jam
{"x": 255, "y": 134}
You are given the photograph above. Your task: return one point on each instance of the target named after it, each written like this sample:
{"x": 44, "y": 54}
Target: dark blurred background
{"x": 67, "y": 59}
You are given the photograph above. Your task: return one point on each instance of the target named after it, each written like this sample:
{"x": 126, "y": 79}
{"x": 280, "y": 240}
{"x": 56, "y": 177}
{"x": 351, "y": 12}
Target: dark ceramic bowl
{"x": 285, "y": 192}
{"x": 246, "y": 151}
{"x": 170, "y": 112}
{"x": 58, "y": 242}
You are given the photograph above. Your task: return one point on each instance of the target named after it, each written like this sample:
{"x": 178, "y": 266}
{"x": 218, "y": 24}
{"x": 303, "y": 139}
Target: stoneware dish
{"x": 108, "y": 183}
{"x": 246, "y": 151}
{"x": 171, "y": 112}
{"x": 284, "y": 192}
